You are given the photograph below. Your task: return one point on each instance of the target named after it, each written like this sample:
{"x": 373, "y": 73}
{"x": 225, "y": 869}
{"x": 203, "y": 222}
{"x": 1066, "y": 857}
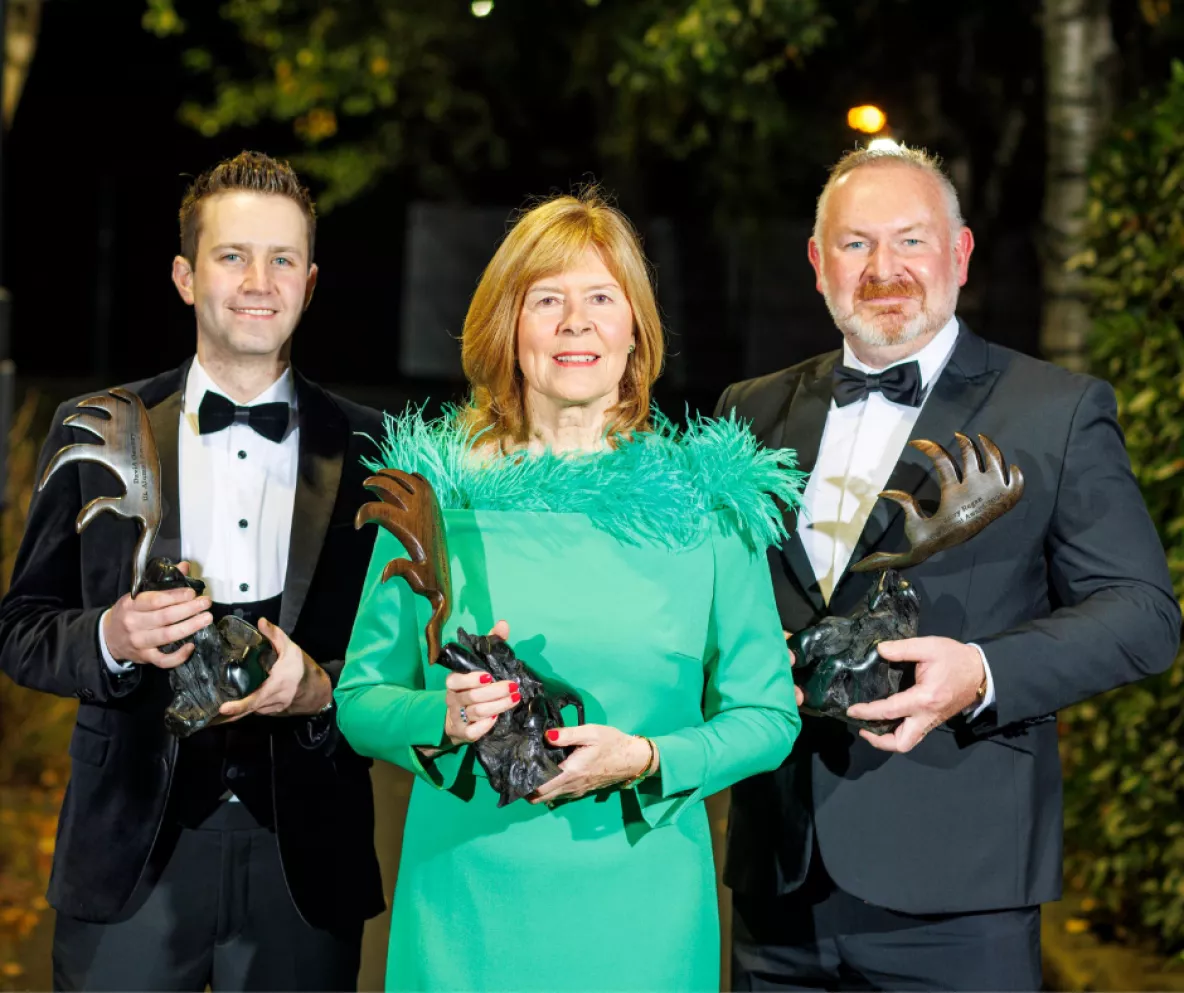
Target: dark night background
{"x": 96, "y": 165}
{"x": 96, "y": 162}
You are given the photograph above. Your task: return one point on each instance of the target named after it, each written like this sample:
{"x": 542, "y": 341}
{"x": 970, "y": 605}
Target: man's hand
{"x": 134, "y": 630}
{"x": 296, "y": 684}
{"x": 797, "y": 690}
{"x": 949, "y": 674}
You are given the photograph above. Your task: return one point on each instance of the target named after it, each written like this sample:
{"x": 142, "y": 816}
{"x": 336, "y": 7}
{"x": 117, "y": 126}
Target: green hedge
{"x": 1124, "y": 752}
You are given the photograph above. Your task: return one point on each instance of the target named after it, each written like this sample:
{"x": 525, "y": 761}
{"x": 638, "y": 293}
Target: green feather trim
{"x": 659, "y": 486}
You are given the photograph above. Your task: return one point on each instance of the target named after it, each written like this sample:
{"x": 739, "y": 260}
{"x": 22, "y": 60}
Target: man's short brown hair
{"x": 250, "y": 171}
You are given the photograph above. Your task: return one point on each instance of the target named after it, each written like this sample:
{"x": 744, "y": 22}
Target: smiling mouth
{"x": 576, "y": 358}
{"x": 254, "y": 311}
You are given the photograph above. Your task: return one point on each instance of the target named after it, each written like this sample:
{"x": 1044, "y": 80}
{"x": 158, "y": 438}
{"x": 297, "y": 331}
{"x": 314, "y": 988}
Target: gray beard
{"x": 929, "y": 320}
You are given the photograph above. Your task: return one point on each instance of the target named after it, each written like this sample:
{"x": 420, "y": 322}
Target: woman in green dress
{"x": 628, "y": 562}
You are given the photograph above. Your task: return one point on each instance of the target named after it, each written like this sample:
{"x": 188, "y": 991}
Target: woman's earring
{"x": 631, "y": 349}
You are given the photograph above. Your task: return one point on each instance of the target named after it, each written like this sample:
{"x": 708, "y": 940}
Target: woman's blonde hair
{"x": 548, "y": 239}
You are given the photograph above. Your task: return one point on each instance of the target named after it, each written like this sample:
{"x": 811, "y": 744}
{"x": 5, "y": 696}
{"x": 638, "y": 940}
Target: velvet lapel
{"x": 324, "y": 436}
{"x": 801, "y": 429}
{"x": 960, "y": 390}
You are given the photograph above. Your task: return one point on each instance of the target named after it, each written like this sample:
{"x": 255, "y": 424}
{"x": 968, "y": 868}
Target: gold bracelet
{"x": 649, "y": 766}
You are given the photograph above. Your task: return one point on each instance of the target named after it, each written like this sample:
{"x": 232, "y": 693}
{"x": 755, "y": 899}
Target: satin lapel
{"x": 165, "y": 419}
{"x": 801, "y": 430}
{"x": 324, "y": 435}
{"x": 961, "y": 389}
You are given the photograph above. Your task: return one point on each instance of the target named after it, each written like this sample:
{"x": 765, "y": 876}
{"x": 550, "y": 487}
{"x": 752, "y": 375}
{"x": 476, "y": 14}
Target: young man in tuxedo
{"x": 918, "y": 860}
{"x": 241, "y": 857}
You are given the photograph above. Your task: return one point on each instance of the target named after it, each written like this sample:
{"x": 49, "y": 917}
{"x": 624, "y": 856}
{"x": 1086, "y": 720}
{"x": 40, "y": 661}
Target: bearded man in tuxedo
{"x": 919, "y": 859}
{"x": 241, "y": 857}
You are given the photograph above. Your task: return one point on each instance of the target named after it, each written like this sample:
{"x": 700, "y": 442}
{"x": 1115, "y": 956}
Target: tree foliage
{"x": 371, "y": 86}
{"x": 34, "y": 734}
{"x": 1124, "y": 752}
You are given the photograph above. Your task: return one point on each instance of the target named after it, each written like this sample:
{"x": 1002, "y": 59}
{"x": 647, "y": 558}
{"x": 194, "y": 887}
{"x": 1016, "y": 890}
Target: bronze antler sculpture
{"x": 837, "y": 663}
{"x": 985, "y": 489}
{"x": 515, "y": 753}
{"x": 408, "y": 509}
{"x": 127, "y": 448}
{"x": 229, "y": 659}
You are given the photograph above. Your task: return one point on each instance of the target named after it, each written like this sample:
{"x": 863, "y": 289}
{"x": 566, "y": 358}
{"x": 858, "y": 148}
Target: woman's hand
{"x": 798, "y": 694}
{"x": 603, "y": 756}
{"x": 474, "y": 700}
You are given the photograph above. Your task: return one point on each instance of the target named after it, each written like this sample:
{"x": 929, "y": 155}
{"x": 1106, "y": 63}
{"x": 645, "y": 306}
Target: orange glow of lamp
{"x": 867, "y": 118}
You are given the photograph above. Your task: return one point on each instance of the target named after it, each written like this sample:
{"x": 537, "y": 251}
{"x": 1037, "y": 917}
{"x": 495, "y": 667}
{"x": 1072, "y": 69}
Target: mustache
{"x": 877, "y": 291}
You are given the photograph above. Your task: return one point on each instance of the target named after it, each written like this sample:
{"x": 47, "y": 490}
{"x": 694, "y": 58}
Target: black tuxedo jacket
{"x": 122, "y": 756}
{"x": 1068, "y": 595}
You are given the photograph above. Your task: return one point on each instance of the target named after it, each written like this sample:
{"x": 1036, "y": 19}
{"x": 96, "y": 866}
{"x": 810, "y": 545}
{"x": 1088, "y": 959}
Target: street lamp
{"x": 867, "y": 118}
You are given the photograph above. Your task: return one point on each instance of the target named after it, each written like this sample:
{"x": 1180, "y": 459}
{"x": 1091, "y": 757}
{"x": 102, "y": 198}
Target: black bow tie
{"x": 900, "y": 384}
{"x": 268, "y": 419}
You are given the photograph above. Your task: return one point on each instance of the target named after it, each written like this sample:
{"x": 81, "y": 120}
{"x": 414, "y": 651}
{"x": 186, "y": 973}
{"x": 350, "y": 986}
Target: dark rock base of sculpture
{"x": 229, "y": 661}
{"x": 836, "y": 661}
{"x": 515, "y": 754}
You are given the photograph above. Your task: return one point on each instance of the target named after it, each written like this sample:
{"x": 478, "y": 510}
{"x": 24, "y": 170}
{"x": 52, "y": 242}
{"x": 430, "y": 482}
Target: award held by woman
{"x": 515, "y": 754}
{"x": 837, "y": 663}
{"x": 230, "y": 659}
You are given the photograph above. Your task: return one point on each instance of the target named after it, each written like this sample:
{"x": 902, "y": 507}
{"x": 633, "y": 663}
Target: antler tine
{"x": 376, "y": 512}
{"x": 103, "y": 402}
{"x": 407, "y": 480}
{"x": 943, "y": 462}
{"x": 68, "y": 454}
{"x": 996, "y": 464}
{"x": 389, "y": 488}
{"x": 972, "y": 460}
{"x": 96, "y": 507}
{"x": 908, "y": 503}
{"x": 81, "y": 422}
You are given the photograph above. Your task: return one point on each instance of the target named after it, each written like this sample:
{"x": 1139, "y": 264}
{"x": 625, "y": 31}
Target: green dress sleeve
{"x": 750, "y": 717}
{"x": 383, "y": 707}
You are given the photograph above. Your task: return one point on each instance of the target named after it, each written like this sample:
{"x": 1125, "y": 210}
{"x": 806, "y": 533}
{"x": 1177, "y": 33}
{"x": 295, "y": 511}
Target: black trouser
{"x": 820, "y": 938}
{"x": 217, "y": 913}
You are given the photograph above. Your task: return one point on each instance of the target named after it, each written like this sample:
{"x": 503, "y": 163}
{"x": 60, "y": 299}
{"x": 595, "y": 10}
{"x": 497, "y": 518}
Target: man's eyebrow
{"x": 271, "y": 249}
{"x": 864, "y": 234}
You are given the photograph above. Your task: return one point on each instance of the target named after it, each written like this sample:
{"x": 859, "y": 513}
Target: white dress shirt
{"x": 861, "y": 444}
{"x": 237, "y": 491}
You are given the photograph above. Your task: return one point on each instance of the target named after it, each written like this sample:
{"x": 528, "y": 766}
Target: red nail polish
{"x": 552, "y": 735}
{"x": 515, "y": 697}
{"x": 513, "y": 687}
{"x": 486, "y": 677}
